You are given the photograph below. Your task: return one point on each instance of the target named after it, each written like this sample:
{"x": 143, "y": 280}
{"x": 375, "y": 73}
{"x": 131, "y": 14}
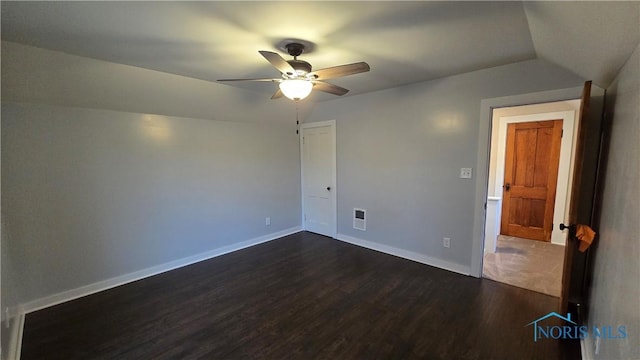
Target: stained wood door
{"x": 531, "y": 175}
{"x": 578, "y": 193}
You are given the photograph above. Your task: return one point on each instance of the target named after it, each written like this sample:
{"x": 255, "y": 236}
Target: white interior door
{"x": 318, "y": 155}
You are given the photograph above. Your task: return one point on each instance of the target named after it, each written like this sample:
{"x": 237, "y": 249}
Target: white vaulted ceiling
{"x": 592, "y": 39}
{"x": 404, "y": 42}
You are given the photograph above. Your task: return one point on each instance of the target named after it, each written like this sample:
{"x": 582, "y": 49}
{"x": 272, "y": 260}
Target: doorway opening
{"x": 530, "y": 165}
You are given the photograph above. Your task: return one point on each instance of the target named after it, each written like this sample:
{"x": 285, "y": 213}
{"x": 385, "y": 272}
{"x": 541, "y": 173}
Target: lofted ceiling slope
{"x": 404, "y": 42}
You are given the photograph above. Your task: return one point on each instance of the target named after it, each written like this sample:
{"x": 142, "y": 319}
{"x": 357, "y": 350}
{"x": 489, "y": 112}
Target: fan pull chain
{"x": 297, "y": 121}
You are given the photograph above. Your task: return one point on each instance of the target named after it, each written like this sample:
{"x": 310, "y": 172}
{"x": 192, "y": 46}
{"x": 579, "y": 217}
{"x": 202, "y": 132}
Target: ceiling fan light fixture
{"x": 298, "y": 79}
{"x": 296, "y": 89}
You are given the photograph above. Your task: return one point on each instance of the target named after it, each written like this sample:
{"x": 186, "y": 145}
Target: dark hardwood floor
{"x": 304, "y": 296}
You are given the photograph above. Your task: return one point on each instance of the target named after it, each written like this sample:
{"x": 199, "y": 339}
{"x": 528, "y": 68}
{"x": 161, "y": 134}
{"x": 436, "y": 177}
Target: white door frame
{"x": 333, "y": 177}
{"x": 482, "y": 161}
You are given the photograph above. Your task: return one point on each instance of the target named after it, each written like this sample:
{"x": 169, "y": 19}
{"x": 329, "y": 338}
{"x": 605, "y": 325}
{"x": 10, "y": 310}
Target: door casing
{"x": 482, "y": 161}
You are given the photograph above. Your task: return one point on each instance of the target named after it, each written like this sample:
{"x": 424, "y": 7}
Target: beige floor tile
{"x": 529, "y": 264}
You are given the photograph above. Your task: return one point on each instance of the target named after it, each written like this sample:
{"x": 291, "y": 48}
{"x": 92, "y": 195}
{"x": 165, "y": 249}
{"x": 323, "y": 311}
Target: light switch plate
{"x": 465, "y": 173}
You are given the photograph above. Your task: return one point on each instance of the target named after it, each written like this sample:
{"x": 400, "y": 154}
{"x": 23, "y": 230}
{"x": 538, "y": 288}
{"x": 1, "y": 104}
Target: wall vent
{"x": 360, "y": 219}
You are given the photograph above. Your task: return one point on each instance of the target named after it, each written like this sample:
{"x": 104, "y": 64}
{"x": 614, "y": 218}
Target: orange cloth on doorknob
{"x": 586, "y": 235}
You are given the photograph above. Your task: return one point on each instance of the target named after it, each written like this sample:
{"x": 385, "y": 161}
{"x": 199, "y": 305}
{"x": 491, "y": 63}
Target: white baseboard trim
{"x": 72, "y": 294}
{"x": 16, "y": 329}
{"x": 406, "y": 254}
{"x": 558, "y": 243}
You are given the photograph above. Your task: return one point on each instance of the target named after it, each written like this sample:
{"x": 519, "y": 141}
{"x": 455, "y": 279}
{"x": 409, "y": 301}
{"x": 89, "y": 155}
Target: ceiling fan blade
{"x": 340, "y": 71}
{"x": 277, "y": 95}
{"x": 269, "y": 80}
{"x": 329, "y": 88}
{"x": 278, "y": 62}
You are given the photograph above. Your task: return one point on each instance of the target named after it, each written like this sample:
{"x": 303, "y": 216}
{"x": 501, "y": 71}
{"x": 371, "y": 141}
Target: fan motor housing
{"x": 302, "y": 67}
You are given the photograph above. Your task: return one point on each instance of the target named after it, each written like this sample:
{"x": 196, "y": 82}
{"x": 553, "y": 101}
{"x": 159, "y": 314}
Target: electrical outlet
{"x": 446, "y": 242}
{"x": 465, "y": 173}
{"x": 267, "y": 220}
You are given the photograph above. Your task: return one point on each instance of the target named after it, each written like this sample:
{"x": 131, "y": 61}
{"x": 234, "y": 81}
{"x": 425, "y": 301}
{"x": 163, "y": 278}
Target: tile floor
{"x": 529, "y": 264}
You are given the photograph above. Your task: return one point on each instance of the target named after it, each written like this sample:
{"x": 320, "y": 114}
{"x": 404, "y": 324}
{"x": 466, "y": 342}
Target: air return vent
{"x": 360, "y": 219}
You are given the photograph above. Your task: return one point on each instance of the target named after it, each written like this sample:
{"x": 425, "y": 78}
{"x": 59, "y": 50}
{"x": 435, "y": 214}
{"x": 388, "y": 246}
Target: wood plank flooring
{"x": 303, "y": 296}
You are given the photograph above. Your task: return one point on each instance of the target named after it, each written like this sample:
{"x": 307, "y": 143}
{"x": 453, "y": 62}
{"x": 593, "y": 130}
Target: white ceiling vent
{"x": 359, "y": 219}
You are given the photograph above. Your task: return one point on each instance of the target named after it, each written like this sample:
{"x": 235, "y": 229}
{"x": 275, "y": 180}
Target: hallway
{"x": 529, "y": 264}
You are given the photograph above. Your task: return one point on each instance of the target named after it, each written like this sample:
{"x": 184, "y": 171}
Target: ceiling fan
{"x": 298, "y": 79}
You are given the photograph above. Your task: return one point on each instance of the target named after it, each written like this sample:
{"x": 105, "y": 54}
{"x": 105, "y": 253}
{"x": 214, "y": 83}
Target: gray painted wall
{"x": 400, "y": 152}
{"x": 616, "y": 273}
{"x": 93, "y": 194}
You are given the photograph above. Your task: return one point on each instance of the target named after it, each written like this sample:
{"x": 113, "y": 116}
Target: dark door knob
{"x": 563, "y": 227}
{"x": 507, "y": 186}
{"x": 328, "y": 188}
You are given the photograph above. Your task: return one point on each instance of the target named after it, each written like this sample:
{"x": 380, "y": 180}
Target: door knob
{"x": 328, "y": 188}
{"x": 565, "y": 227}
{"x": 507, "y": 186}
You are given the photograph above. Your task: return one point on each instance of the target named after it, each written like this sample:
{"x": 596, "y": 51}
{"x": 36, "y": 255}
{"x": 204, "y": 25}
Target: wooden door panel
{"x": 536, "y": 211}
{"x": 524, "y": 166}
{"x": 576, "y": 192}
{"x": 526, "y": 215}
{"x": 543, "y": 149}
{"x": 531, "y": 172}
{"x": 517, "y": 211}
{"x": 528, "y": 192}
